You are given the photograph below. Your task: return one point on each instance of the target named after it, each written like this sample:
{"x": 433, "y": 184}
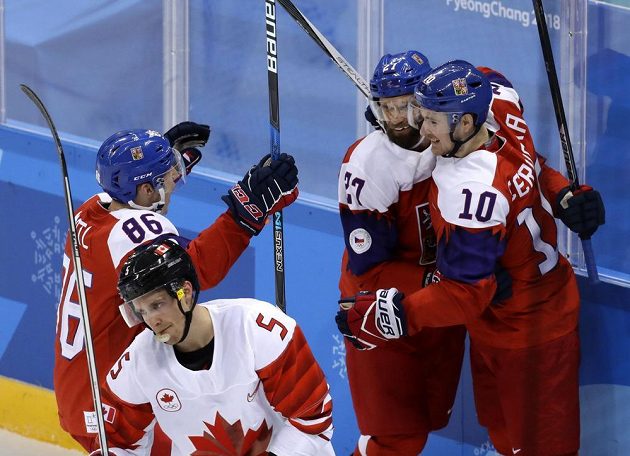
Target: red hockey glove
{"x": 371, "y": 319}
{"x": 266, "y": 188}
{"x": 186, "y": 137}
{"x": 582, "y": 211}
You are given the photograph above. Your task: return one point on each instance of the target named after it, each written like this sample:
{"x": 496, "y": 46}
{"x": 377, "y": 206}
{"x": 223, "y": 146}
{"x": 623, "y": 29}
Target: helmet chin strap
{"x": 155, "y": 207}
{"x": 457, "y": 143}
{"x": 179, "y": 295}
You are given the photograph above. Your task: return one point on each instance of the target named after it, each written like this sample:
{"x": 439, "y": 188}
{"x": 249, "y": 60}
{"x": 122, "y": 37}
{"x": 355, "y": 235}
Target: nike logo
{"x": 516, "y": 450}
{"x": 250, "y": 396}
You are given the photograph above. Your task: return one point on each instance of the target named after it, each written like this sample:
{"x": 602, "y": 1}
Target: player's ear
{"x": 468, "y": 122}
{"x": 465, "y": 127}
{"x": 144, "y": 194}
{"x": 188, "y": 291}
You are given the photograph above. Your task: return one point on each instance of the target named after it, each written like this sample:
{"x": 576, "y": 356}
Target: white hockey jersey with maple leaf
{"x": 263, "y": 392}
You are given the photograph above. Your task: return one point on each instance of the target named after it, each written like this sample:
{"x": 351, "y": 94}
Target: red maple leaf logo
{"x": 225, "y": 439}
{"x": 167, "y": 398}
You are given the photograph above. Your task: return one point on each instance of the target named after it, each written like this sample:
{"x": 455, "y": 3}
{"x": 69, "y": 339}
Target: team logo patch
{"x": 417, "y": 58}
{"x": 360, "y": 240}
{"x": 167, "y": 400}
{"x": 162, "y": 249}
{"x": 136, "y": 153}
{"x": 460, "y": 87}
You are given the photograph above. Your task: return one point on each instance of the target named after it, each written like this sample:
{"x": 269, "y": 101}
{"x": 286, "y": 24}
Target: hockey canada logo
{"x": 417, "y": 58}
{"x": 168, "y": 401}
{"x": 360, "y": 240}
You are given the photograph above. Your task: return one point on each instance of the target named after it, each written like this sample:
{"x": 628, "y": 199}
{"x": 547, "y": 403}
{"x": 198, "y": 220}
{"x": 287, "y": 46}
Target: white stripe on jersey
{"x": 466, "y": 196}
{"x": 382, "y": 170}
{"x": 135, "y": 227}
{"x": 504, "y": 93}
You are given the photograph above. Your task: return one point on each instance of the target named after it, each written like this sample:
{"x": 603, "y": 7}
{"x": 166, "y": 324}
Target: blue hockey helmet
{"x": 129, "y": 158}
{"x": 398, "y": 74}
{"x": 457, "y": 88}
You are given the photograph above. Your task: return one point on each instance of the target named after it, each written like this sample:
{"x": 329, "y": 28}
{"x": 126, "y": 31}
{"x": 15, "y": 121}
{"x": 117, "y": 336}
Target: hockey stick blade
{"x": 78, "y": 271}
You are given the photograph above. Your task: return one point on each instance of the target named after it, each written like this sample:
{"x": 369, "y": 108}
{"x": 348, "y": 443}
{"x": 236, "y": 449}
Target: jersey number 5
{"x": 69, "y": 315}
{"x": 272, "y": 323}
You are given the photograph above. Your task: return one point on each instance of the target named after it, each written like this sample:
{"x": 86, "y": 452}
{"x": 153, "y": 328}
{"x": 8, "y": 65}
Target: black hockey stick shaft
{"x": 78, "y": 272}
{"x": 565, "y": 140}
{"x": 274, "y": 121}
{"x": 326, "y": 46}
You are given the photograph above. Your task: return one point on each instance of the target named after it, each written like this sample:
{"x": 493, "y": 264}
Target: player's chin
{"x": 165, "y": 336}
{"x": 407, "y": 138}
{"x": 438, "y": 148}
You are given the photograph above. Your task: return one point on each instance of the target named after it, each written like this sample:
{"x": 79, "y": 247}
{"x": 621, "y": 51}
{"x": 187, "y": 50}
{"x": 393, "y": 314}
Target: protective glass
{"x": 392, "y": 109}
{"x": 129, "y": 309}
{"x": 129, "y": 314}
{"x": 179, "y": 167}
{"x": 175, "y": 177}
{"x": 414, "y": 115}
{"x": 438, "y": 123}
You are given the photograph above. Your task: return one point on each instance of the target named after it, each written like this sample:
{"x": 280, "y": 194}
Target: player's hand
{"x": 186, "y": 137}
{"x": 371, "y": 319}
{"x": 267, "y": 187}
{"x": 430, "y": 276}
{"x": 582, "y": 211}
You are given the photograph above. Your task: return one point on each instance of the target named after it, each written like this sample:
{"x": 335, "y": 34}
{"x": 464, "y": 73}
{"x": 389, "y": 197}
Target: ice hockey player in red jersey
{"x": 404, "y": 390}
{"x": 486, "y": 206}
{"x": 138, "y": 171}
{"x": 230, "y": 376}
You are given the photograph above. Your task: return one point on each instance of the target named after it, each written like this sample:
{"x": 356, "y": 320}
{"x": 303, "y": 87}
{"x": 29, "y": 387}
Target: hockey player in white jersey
{"x": 230, "y": 377}
{"x": 139, "y": 170}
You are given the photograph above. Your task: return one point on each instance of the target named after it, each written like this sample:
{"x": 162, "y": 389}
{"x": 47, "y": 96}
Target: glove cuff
{"x": 251, "y": 229}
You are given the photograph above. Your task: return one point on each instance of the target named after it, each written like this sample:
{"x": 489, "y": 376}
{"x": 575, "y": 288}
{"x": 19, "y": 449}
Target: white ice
{"x": 12, "y": 444}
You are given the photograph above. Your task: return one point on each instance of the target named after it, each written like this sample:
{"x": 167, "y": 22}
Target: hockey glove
{"x": 582, "y": 211}
{"x": 186, "y": 137}
{"x": 266, "y": 188}
{"x": 370, "y": 117}
{"x": 370, "y": 319}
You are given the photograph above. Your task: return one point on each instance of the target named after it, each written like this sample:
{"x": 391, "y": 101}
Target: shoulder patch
{"x": 360, "y": 240}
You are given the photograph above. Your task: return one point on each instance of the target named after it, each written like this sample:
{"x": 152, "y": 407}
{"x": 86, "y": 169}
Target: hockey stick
{"x": 325, "y": 45}
{"x": 567, "y": 151}
{"x": 274, "y": 120}
{"x": 78, "y": 272}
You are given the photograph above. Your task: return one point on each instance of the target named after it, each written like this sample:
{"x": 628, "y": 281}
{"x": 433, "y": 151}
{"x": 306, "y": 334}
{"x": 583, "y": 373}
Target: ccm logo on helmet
{"x": 142, "y": 176}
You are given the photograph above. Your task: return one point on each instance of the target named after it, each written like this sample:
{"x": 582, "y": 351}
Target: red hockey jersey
{"x": 384, "y": 209}
{"x": 106, "y": 239}
{"x": 486, "y": 207}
